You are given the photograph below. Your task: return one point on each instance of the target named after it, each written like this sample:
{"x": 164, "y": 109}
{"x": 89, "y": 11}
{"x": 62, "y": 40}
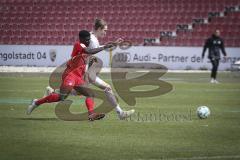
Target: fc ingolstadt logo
{"x": 52, "y": 54}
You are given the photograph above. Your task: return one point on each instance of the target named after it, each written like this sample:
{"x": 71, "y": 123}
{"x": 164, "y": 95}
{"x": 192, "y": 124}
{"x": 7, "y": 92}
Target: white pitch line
{"x": 210, "y": 157}
{"x": 198, "y": 158}
{"x": 143, "y": 71}
{"x": 233, "y": 111}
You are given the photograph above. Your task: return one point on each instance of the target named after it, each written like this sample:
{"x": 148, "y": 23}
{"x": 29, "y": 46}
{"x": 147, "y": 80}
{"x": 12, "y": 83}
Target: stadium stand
{"x": 57, "y": 22}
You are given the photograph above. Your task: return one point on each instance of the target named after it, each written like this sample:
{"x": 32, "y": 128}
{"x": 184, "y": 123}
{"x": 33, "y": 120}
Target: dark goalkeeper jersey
{"x": 214, "y": 45}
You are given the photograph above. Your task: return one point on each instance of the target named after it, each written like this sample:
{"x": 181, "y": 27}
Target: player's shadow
{"x": 38, "y": 119}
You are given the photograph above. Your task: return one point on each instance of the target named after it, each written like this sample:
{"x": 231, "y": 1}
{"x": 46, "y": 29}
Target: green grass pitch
{"x": 174, "y": 132}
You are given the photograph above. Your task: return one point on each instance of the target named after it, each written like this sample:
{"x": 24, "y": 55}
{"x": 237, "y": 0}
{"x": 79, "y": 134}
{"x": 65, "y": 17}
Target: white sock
{"x": 109, "y": 94}
{"x": 118, "y": 109}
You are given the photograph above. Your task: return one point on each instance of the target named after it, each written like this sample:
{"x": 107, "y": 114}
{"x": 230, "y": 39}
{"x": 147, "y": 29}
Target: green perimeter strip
{"x": 27, "y": 101}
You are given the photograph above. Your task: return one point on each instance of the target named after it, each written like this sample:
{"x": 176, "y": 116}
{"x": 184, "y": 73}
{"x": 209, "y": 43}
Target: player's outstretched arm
{"x": 119, "y": 40}
{"x": 99, "y": 49}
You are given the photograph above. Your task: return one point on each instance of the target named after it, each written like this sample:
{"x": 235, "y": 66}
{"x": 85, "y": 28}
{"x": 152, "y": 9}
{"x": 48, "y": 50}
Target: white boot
{"x": 212, "y": 80}
{"x": 215, "y": 81}
{"x": 125, "y": 114}
{"x": 31, "y": 107}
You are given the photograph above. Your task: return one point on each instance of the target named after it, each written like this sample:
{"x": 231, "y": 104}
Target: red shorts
{"x": 71, "y": 80}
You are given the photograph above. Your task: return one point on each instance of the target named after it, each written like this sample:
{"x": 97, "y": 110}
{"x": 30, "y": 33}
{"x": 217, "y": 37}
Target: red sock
{"x": 54, "y": 97}
{"x": 90, "y": 104}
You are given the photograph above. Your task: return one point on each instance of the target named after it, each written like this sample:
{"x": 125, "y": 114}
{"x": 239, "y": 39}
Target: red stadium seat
{"x": 136, "y": 20}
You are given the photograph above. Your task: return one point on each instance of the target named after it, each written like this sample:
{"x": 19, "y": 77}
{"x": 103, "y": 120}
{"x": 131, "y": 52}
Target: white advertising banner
{"x": 174, "y": 58}
{"x": 39, "y": 55}
{"x": 34, "y": 55}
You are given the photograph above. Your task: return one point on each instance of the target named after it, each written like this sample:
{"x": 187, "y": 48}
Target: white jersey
{"x": 94, "y": 43}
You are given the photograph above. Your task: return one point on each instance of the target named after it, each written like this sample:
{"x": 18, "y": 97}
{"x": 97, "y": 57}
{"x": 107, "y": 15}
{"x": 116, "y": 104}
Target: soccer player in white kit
{"x": 99, "y": 31}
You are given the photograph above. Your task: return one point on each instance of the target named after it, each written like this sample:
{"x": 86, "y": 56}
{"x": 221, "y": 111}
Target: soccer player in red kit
{"x": 73, "y": 77}
{"x": 99, "y": 31}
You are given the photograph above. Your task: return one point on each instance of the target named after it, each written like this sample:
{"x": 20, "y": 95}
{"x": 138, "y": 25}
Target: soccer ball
{"x": 203, "y": 112}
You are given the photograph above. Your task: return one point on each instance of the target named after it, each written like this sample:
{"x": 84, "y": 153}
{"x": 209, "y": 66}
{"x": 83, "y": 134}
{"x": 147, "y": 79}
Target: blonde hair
{"x": 99, "y": 23}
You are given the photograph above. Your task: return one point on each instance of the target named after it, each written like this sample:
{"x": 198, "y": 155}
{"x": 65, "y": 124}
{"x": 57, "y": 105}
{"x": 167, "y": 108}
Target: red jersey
{"x": 77, "y": 64}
